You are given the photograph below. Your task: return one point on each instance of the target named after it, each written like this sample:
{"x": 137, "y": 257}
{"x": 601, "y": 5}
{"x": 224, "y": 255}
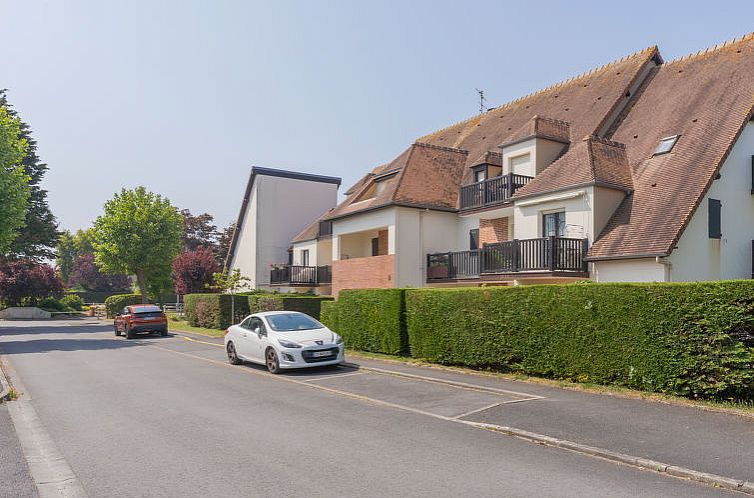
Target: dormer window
{"x": 480, "y": 175}
{"x": 666, "y": 145}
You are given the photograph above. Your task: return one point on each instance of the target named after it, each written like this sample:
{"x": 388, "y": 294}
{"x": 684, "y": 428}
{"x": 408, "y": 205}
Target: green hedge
{"x": 114, "y": 304}
{"x": 310, "y": 305}
{"x": 328, "y": 315}
{"x": 373, "y": 320}
{"x": 213, "y": 311}
{"x": 674, "y": 338}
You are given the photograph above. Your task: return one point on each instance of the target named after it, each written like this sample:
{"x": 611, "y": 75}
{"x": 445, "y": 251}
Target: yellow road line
{"x": 201, "y": 342}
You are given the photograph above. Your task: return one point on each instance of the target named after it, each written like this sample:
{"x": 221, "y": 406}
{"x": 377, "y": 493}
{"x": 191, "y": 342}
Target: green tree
{"x": 230, "y": 281}
{"x": 139, "y": 234}
{"x": 69, "y": 247}
{"x": 39, "y": 234}
{"x": 14, "y": 183}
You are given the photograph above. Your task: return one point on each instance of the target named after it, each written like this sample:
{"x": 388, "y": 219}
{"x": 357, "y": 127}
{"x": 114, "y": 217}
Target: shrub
{"x": 213, "y": 311}
{"x": 328, "y": 315}
{"x": 373, "y": 320}
{"x": 673, "y": 338}
{"x": 72, "y": 301}
{"x": 310, "y": 305}
{"x": 24, "y": 282}
{"x": 114, "y": 304}
{"x": 193, "y": 270}
{"x": 51, "y": 304}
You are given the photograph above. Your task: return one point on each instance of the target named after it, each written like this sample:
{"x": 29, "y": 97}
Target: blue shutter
{"x": 714, "y": 218}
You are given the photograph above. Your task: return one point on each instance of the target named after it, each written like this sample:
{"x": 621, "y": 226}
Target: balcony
{"x": 492, "y": 191}
{"x": 550, "y": 256}
{"x": 300, "y": 275}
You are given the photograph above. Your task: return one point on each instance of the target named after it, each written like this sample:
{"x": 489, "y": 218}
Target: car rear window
{"x": 146, "y": 309}
{"x": 287, "y": 322}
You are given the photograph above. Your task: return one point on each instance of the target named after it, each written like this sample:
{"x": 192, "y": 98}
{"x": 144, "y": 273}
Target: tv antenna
{"x": 482, "y": 99}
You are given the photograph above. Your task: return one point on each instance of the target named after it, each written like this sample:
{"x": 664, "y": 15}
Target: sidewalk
{"x": 15, "y": 480}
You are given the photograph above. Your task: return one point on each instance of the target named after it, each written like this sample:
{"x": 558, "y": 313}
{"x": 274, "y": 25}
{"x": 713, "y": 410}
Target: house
{"x": 276, "y": 206}
{"x": 640, "y": 170}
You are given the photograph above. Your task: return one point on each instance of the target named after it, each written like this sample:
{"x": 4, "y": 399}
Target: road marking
{"x": 201, "y": 342}
{"x": 334, "y": 376}
{"x": 472, "y": 412}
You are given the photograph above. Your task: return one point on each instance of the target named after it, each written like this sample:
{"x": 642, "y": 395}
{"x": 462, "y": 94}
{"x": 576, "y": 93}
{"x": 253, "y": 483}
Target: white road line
{"x": 472, "y": 412}
{"x": 334, "y": 376}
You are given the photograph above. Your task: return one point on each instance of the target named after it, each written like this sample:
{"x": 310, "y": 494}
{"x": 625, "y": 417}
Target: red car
{"x": 140, "y": 318}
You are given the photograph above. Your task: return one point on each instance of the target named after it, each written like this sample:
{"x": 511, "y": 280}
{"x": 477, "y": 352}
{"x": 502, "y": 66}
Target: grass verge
{"x": 744, "y": 409}
{"x": 182, "y": 325}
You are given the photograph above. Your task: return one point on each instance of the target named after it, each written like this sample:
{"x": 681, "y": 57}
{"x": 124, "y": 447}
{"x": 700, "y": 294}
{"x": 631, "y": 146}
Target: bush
{"x": 51, "y": 304}
{"x": 682, "y": 339}
{"x": 310, "y": 305}
{"x": 373, "y": 320}
{"x": 213, "y": 311}
{"x": 328, "y": 315}
{"x": 114, "y": 304}
{"x": 72, "y": 301}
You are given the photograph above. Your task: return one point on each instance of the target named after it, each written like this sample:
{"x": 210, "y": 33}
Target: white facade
{"x": 279, "y": 205}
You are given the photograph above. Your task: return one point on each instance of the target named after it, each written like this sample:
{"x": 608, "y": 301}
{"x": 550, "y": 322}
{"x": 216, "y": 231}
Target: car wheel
{"x": 117, "y": 332}
{"x": 271, "y": 360}
{"x": 164, "y": 332}
{"x": 129, "y": 333}
{"x": 233, "y": 358}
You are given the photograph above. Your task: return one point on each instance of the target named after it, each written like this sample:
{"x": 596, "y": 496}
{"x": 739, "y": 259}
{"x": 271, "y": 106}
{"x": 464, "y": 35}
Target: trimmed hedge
{"x": 310, "y": 305}
{"x": 373, "y": 320}
{"x": 213, "y": 311}
{"x": 328, "y": 315}
{"x": 683, "y": 339}
{"x": 114, "y": 304}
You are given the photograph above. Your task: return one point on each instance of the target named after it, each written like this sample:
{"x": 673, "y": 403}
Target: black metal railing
{"x": 492, "y": 191}
{"x": 549, "y": 254}
{"x": 300, "y": 275}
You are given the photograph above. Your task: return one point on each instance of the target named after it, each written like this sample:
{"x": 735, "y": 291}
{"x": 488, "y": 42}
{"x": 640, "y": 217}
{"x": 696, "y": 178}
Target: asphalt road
{"x": 168, "y": 417}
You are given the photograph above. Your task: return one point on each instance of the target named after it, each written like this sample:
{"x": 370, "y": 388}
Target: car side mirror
{"x": 257, "y": 330}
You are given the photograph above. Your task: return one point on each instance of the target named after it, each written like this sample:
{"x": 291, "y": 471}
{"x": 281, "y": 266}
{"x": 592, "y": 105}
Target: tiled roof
{"x": 707, "y": 99}
{"x": 489, "y": 157}
{"x": 592, "y": 161}
{"x": 541, "y": 127}
{"x": 585, "y": 102}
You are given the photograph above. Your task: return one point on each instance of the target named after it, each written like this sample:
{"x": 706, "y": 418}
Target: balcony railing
{"x": 546, "y": 254}
{"x": 300, "y": 275}
{"x": 492, "y": 191}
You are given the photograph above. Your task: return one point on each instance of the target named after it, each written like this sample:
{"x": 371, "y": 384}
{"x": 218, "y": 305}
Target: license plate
{"x": 320, "y": 354}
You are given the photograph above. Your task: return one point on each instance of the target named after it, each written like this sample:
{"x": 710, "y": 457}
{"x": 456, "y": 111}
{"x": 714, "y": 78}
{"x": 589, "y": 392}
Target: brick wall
{"x": 376, "y": 272}
{"x": 492, "y": 231}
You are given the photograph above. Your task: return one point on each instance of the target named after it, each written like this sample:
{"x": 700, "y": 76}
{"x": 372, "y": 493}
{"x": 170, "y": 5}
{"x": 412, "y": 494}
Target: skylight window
{"x": 666, "y": 145}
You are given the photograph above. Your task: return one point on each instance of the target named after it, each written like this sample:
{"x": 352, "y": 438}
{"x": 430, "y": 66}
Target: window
{"x": 289, "y": 322}
{"x": 246, "y": 324}
{"x": 666, "y": 145}
{"x": 255, "y": 323}
{"x": 376, "y": 246}
{"x": 474, "y": 239}
{"x": 480, "y": 175}
{"x": 553, "y": 224}
{"x": 305, "y": 257}
{"x": 714, "y": 219}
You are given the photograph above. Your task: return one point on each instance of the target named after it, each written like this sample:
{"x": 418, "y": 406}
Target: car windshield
{"x": 146, "y": 309}
{"x": 287, "y": 322}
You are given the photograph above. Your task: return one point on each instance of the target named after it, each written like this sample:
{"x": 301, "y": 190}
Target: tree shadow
{"x": 69, "y": 344}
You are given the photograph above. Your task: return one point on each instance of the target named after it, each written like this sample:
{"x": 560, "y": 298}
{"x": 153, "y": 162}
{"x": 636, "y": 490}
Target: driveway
{"x": 169, "y": 417}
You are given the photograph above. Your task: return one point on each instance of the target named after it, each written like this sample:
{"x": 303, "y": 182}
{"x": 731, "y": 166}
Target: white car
{"x": 283, "y": 339}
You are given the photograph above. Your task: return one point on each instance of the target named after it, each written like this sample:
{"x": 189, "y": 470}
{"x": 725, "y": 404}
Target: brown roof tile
{"x": 489, "y": 157}
{"x": 541, "y": 127}
{"x": 706, "y": 99}
{"x": 593, "y": 161}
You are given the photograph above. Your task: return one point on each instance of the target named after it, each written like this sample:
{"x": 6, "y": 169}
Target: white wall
{"x": 629, "y": 270}
{"x": 371, "y": 222}
{"x": 278, "y": 209}
{"x": 697, "y": 257}
{"x": 577, "y": 204}
{"x": 300, "y": 247}
{"x": 541, "y": 152}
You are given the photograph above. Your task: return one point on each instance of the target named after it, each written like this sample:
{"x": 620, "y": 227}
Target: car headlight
{"x": 288, "y": 344}
{"x": 338, "y": 339}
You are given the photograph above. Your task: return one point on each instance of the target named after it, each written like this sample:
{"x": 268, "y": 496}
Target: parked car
{"x": 282, "y": 340}
{"x": 140, "y": 318}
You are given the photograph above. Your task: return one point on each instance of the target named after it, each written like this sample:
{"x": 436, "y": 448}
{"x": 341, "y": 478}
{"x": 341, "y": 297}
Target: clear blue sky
{"x": 183, "y": 96}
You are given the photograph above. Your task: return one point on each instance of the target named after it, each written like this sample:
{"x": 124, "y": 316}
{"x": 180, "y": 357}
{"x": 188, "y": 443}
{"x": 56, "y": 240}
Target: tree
{"x": 193, "y": 271}
{"x": 85, "y": 274}
{"x": 198, "y": 231}
{"x": 14, "y": 183}
{"x": 23, "y": 281}
{"x": 139, "y": 234}
{"x": 230, "y": 281}
{"x": 223, "y": 244}
{"x": 39, "y": 234}
{"x": 70, "y": 247}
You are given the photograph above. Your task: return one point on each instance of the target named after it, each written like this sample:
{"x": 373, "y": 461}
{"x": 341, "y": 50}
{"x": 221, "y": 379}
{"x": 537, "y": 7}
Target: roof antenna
{"x": 482, "y": 98}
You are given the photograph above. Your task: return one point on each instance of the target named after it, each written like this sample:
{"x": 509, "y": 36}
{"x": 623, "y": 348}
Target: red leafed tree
{"x": 192, "y": 271}
{"x": 25, "y": 282}
{"x": 86, "y": 274}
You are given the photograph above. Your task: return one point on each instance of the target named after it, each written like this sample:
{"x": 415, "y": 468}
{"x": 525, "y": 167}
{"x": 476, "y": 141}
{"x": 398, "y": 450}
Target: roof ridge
{"x": 714, "y": 48}
{"x": 652, "y": 48}
{"x": 441, "y": 147}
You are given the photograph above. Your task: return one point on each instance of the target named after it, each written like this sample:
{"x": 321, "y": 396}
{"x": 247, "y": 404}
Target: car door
{"x": 240, "y": 334}
{"x": 120, "y": 320}
{"x": 256, "y": 336}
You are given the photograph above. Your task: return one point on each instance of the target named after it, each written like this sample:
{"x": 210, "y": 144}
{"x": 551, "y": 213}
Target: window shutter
{"x": 715, "y": 219}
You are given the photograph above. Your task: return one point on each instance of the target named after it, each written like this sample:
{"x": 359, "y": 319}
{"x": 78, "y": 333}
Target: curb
{"x": 4, "y": 383}
{"x": 641, "y": 463}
